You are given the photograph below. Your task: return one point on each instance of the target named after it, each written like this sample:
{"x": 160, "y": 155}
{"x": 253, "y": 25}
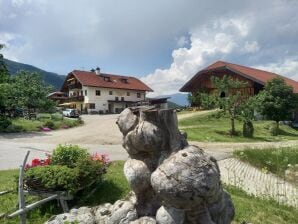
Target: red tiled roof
{"x": 92, "y": 79}
{"x": 256, "y": 75}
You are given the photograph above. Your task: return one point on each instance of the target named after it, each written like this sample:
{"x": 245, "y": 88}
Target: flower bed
{"x": 70, "y": 168}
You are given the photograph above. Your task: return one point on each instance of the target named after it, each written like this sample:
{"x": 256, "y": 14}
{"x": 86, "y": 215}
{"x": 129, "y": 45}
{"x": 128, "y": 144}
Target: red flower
{"x": 35, "y": 162}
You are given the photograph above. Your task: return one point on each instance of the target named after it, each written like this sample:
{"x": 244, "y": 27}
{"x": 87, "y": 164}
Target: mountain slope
{"x": 172, "y": 105}
{"x": 50, "y": 78}
{"x": 178, "y": 98}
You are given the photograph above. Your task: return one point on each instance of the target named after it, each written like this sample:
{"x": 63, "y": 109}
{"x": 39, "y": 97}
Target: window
{"x": 139, "y": 95}
{"x": 116, "y": 98}
{"x": 111, "y": 92}
{"x": 128, "y": 94}
{"x": 122, "y": 98}
{"x": 92, "y": 106}
{"x": 108, "y": 79}
{"x": 85, "y": 92}
{"x": 97, "y": 92}
{"x": 82, "y": 93}
{"x": 124, "y": 80}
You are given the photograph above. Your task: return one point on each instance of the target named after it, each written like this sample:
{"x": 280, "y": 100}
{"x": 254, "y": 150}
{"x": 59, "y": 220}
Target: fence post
{"x": 22, "y": 202}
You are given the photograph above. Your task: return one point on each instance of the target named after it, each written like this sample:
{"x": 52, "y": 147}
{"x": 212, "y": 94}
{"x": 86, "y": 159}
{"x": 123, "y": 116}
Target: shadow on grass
{"x": 239, "y": 135}
{"x": 106, "y": 192}
{"x": 285, "y": 133}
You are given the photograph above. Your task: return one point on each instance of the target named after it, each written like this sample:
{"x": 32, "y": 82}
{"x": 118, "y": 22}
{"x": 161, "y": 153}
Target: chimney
{"x": 97, "y": 71}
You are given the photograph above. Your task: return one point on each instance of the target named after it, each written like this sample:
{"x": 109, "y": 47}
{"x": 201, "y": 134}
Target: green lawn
{"x": 52, "y": 121}
{"x": 250, "y": 209}
{"x": 210, "y": 128}
{"x": 275, "y": 160}
{"x": 115, "y": 186}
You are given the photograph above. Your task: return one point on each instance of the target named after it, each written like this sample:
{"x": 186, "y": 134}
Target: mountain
{"x": 178, "y": 98}
{"x": 50, "y": 78}
{"x": 172, "y": 105}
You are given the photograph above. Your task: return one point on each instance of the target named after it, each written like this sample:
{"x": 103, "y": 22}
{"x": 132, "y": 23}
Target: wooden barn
{"x": 255, "y": 79}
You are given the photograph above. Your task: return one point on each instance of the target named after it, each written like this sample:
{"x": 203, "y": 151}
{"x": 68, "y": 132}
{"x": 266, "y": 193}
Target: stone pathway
{"x": 256, "y": 182}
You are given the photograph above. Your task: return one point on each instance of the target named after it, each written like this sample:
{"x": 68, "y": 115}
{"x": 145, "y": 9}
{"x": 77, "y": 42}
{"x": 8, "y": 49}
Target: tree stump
{"x": 163, "y": 170}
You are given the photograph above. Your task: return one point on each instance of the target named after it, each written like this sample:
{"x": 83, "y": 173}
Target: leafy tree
{"x": 4, "y": 85}
{"x": 203, "y": 99}
{"x": 277, "y": 100}
{"x": 30, "y": 92}
{"x": 230, "y": 97}
{"x": 247, "y": 115}
{"x": 4, "y": 75}
{"x": 208, "y": 101}
{"x": 194, "y": 99}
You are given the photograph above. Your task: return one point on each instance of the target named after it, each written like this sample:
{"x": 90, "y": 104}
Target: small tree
{"x": 30, "y": 92}
{"x": 203, "y": 99}
{"x": 247, "y": 115}
{"x": 277, "y": 100}
{"x": 232, "y": 100}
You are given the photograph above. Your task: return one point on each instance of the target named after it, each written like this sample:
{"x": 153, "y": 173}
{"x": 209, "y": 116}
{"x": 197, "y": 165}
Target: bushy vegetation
{"x": 277, "y": 101}
{"x": 275, "y": 160}
{"x": 51, "y": 121}
{"x": 70, "y": 168}
{"x": 52, "y": 178}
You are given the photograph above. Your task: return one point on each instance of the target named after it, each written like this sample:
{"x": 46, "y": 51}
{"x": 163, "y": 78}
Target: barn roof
{"x": 105, "y": 80}
{"x": 254, "y": 74}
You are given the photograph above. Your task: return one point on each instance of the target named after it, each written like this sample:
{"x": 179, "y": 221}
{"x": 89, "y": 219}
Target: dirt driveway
{"x": 97, "y": 129}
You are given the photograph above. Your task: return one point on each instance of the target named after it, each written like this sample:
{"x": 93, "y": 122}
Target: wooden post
{"x": 22, "y": 211}
{"x": 22, "y": 202}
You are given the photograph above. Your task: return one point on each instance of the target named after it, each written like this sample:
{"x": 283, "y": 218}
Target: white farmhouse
{"x": 92, "y": 91}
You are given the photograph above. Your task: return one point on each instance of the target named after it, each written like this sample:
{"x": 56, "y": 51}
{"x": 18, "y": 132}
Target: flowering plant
{"x": 69, "y": 168}
{"x": 101, "y": 158}
{"x": 39, "y": 162}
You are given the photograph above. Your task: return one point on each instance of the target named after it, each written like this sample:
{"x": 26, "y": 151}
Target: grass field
{"x": 275, "y": 160}
{"x": 52, "y": 121}
{"x": 209, "y": 128}
{"x": 249, "y": 209}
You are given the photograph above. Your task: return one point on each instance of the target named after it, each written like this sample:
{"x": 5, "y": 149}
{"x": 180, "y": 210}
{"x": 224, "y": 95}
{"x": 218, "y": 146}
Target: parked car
{"x": 70, "y": 113}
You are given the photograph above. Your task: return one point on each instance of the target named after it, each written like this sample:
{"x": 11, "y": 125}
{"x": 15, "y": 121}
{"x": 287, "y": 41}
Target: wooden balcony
{"x": 75, "y": 99}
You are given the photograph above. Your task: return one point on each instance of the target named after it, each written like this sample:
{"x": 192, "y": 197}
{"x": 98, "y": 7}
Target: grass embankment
{"x": 115, "y": 186}
{"x": 210, "y": 128}
{"x": 274, "y": 160}
{"x": 52, "y": 121}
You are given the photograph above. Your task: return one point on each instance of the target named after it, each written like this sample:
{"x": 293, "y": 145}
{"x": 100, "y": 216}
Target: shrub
{"x": 89, "y": 170}
{"x": 68, "y": 155}
{"x": 50, "y": 124}
{"x": 248, "y": 129}
{"x": 273, "y": 129}
{"x": 4, "y": 123}
{"x": 70, "y": 169}
{"x": 51, "y": 178}
{"x": 56, "y": 117}
{"x": 14, "y": 128}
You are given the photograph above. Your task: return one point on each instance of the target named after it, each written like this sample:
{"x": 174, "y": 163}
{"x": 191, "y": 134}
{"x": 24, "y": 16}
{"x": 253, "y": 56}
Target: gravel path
{"x": 97, "y": 129}
{"x": 253, "y": 181}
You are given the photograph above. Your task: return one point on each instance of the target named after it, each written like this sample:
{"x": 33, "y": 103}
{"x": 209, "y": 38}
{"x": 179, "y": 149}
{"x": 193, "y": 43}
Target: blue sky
{"x": 162, "y": 42}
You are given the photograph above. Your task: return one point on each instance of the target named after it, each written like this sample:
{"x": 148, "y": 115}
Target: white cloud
{"x": 182, "y": 41}
{"x": 211, "y": 42}
{"x": 251, "y": 47}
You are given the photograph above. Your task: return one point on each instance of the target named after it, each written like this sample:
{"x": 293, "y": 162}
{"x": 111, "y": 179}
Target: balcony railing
{"x": 75, "y": 98}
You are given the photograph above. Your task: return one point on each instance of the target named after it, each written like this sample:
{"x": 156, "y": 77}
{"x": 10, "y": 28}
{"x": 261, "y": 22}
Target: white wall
{"x": 101, "y": 102}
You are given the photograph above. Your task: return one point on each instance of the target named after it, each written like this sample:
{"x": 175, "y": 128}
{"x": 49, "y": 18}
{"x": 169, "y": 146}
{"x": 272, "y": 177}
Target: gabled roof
{"x": 254, "y": 74}
{"x": 116, "y": 81}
